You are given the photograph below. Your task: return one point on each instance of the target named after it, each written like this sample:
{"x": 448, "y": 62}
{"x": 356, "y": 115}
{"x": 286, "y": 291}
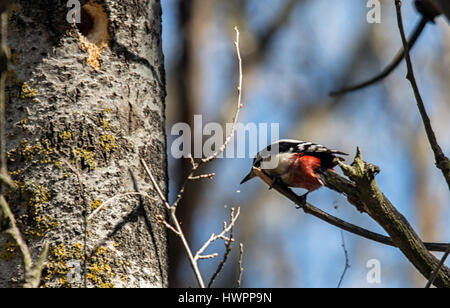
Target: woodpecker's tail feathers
{"x": 249, "y": 176}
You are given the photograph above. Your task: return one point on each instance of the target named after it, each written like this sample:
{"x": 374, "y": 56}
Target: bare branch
{"x": 202, "y": 176}
{"x": 340, "y": 187}
{"x": 175, "y": 226}
{"x": 155, "y": 184}
{"x": 442, "y": 162}
{"x": 33, "y": 278}
{"x": 210, "y": 256}
{"x": 241, "y": 269}
{"x": 379, "y": 207}
{"x": 391, "y": 67}
{"x": 32, "y": 273}
{"x": 162, "y": 220}
{"x": 347, "y": 264}
{"x": 222, "y": 235}
{"x": 238, "y": 107}
{"x": 4, "y": 63}
{"x": 191, "y": 159}
{"x": 17, "y": 236}
{"x": 438, "y": 268}
{"x": 227, "y": 250}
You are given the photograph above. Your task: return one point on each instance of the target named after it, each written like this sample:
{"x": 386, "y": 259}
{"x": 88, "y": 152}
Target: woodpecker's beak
{"x": 248, "y": 177}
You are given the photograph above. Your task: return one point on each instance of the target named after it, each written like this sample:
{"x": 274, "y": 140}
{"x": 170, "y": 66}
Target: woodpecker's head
{"x": 270, "y": 155}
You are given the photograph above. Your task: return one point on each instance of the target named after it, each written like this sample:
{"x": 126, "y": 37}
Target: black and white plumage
{"x": 295, "y": 162}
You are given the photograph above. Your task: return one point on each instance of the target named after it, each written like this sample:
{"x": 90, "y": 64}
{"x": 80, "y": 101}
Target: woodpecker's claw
{"x": 302, "y": 202}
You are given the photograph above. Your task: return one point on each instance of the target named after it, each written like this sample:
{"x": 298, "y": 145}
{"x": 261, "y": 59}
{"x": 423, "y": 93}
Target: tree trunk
{"x": 84, "y": 102}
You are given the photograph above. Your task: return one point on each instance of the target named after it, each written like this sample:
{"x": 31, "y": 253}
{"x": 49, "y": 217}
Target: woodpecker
{"x": 295, "y": 163}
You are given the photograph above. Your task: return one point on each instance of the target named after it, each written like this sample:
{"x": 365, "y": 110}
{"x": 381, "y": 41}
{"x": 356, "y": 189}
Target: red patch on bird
{"x": 303, "y": 172}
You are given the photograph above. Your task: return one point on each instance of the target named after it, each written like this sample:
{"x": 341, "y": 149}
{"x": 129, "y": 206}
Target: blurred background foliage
{"x": 294, "y": 53}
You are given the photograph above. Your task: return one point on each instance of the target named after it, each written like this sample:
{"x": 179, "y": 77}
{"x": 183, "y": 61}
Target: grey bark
{"x": 74, "y": 138}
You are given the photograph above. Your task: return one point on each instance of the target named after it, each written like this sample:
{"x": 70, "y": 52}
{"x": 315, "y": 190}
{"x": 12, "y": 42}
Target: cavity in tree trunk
{"x": 84, "y": 102}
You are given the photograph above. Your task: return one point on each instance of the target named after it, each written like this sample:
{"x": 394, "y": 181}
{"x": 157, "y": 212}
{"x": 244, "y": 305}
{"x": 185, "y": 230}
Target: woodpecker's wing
{"x": 310, "y": 148}
{"x": 325, "y": 154}
{"x": 285, "y": 146}
{"x": 296, "y": 146}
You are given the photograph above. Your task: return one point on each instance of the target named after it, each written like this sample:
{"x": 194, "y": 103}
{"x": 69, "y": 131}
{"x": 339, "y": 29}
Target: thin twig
{"x": 202, "y": 176}
{"x": 347, "y": 264}
{"x": 33, "y": 278}
{"x": 162, "y": 220}
{"x": 438, "y": 268}
{"x": 176, "y": 226}
{"x": 32, "y": 273}
{"x": 155, "y": 184}
{"x": 210, "y": 256}
{"x": 228, "y": 248}
{"x": 191, "y": 159}
{"x": 241, "y": 269}
{"x": 4, "y": 63}
{"x": 222, "y": 235}
{"x": 442, "y": 162}
{"x": 390, "y": 68}
{"x": 239, "y": 103}
{"x": 16, "y": 234}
